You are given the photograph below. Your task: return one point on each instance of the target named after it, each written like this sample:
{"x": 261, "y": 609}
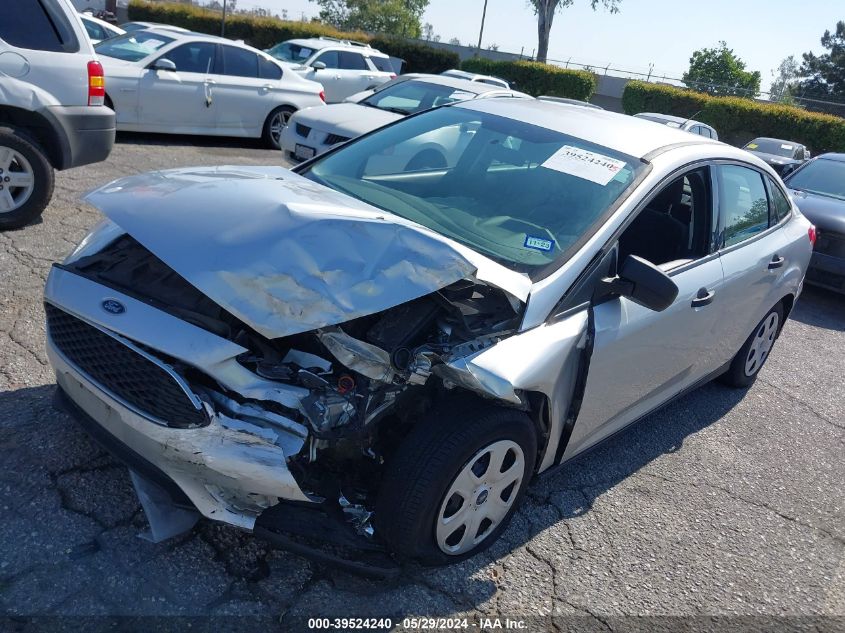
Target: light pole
{"x": 223, "y": 24}
{"x": 481, "y": 32}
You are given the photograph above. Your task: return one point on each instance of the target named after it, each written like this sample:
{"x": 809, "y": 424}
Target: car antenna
{"x": 692, "y": 117}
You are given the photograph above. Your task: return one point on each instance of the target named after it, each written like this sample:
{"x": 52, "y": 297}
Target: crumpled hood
{"x": 827, "y": 214}
{"x": 284, "y": 254}
{"x": 346, "y": 119}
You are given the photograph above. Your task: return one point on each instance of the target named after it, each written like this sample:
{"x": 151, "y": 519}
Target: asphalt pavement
{"x": 725, "y": 503}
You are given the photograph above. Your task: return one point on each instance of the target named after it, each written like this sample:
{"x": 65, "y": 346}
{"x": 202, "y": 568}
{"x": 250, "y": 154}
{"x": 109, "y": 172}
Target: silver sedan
{"x": 388, "y": 356}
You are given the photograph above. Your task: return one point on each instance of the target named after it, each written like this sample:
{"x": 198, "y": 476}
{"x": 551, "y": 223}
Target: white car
{"x": 680, "y": 123}
{"x": 130, "y": 27}
{"x": 189, "y": 83}
{"x": 312, "y": 132}
{"x": 52, "y": 112}
{"x": 99, "y": 30}
{"x": 341, "y": 66}
{"x": 485, "y": 79}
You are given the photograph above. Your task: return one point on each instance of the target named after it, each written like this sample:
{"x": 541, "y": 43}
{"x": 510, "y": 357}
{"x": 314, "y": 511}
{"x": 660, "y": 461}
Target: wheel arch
{"x": 39, "y": 128}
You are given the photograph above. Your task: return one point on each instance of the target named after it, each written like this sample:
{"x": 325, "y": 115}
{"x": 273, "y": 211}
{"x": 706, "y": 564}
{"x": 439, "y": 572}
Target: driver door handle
{"x": 777, "y": 262}
{"x": 703, "y": 298}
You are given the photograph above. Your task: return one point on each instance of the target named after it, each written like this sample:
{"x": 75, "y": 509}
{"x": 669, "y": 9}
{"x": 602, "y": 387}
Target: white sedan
{"x": 186, "y": 83}
{"x": 99, "y": 30}
{"x": 313, "y": 132}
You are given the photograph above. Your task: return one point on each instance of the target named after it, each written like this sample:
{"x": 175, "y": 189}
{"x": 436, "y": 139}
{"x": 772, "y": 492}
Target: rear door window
{"x": 268, "y": 70}
{"x": 352, "y": 61}
{"x": 239, "y": 62}
{"x": 382, "y": 64}
{"x": 744, "y": 203}
{"x": 37, "y": 25}
{"x": 94, "y": 30}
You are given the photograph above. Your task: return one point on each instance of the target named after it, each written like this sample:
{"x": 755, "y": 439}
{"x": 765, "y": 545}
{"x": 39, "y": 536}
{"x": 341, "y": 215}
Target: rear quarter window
{"x": 382, "y": 64}
{"x": 37, "y": 25}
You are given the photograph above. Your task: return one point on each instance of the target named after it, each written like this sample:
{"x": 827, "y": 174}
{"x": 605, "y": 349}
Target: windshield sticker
{"x": 752, "y": 146}
{"x": 584, "y": 164}
{"x": 539, "y": 243}
{"x": 785, "y": 146}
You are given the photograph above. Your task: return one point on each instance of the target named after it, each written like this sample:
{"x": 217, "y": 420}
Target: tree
{"x": 718, "y": 71}
{"x": 455, "y": 41}
{"x": 823, "y": 76}
{"x": 545, "y": 11}
{"x": 395, "y": 17}
{"x": 784, "y": 81}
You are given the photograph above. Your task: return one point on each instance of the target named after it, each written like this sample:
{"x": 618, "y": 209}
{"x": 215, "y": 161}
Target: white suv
{"x": 52, "y": 91}
{"x": 341, "y": 66}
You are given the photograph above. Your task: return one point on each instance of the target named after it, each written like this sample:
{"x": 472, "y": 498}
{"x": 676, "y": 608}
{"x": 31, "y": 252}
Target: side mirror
{"x": 162, "y": 63}
{"x": 319, "y": 65}
{"x": 806, "y": 154}
{"x": 643, "y": 283}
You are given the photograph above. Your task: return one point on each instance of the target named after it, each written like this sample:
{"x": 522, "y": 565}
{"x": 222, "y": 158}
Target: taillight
{"x": 96, "y": 84}
{"x": 323, "y": 95}
{"x": 812, "y": 234}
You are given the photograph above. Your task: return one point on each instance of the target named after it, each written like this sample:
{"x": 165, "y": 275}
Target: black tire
{"x": 268, "y": 136}
{"x": 427, "y": 159}
{"x": 421, "y": 472}
{"x": 43, "y": 179}
{"x": 744, "y": 367}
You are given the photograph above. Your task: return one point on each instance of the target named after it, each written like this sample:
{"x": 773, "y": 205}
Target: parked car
{"x": 397, "y": 354}
{"x": 343, "y": 67}
{"x": 312, "y": 132}
{"x": 485, "y": 79}
{"x": 131, "y": 27}
{"x": 783, "y": 156}
{"x": 97, "y": 29}
{"x": 51, "y": 104}
{"x": 189, "y": 83}
{"x": 687, "y": 125}
{"x": 818, "y": 188}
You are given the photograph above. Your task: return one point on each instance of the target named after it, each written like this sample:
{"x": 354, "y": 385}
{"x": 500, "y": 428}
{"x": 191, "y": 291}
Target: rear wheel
{"x": 273, "y": 126}
{"x": 26, "y": 179}
{"x": 750, "y": 359}
{"x": 454, "y": 483}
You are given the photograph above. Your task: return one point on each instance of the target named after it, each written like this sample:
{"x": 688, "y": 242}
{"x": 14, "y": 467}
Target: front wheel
{"x": 454, "y": 483}
{"x": 750, "y": 359}
{"x": 26, "y": 179}
{"x": 274, "y": 124}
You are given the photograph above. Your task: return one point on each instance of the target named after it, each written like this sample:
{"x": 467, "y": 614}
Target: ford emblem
{"x": 113, "y": 306}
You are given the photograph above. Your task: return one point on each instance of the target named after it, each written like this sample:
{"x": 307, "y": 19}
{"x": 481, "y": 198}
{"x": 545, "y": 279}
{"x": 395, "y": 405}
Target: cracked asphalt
{"x": 725, "y": 503}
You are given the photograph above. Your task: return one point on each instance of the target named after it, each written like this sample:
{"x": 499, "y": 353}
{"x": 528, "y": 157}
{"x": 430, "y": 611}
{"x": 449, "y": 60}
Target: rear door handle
{"x": 777, "y": 262}
{"x": 267, "y": 87}
{"x": 703, "y": 298}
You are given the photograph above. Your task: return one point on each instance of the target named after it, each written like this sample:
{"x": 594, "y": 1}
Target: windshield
{"x": 821, "y": 176}
{"x": 773, "y": 146}
{"x": 133, "y": 47}
{"x": 290, "y": 52}
{"x": 408, "y": 97}
{"x": 518, "y": 193}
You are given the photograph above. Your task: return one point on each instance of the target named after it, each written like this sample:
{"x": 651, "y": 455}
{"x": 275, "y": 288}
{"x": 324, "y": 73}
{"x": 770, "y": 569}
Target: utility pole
{"x": 223, "y": 24}
{"x": 481, "y": 32}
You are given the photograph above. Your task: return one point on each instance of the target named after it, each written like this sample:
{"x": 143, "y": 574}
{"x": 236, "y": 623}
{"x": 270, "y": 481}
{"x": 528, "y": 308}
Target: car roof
{"x": 96, "y": 20}
{"x": 463, "y": 74}
{"x": 833, "y": 156}
{"x": 159, "y": 25}
{"x": 183, "y": 36}
{"x": 626, "y": 134}
{"x": 458, "y": 83}
{"x": 319, "y": 43}
{"x": 775, "y": 140}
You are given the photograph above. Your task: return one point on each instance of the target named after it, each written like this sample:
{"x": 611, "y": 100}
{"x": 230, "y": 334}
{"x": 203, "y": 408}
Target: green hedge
{"x": 265, "y": 32}
{"x": 739, "y": 120}
{"x": 536, "y": 78}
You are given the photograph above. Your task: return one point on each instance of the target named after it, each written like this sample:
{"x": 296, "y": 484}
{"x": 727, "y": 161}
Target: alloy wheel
{"x": 277, "y": 124}
{"x": 480, "y": 497}
{"x": 17, "y": 180}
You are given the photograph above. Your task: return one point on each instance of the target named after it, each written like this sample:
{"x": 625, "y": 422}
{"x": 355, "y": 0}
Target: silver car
{"x": 687, "y": 125}
{"x": 359, "y": 353}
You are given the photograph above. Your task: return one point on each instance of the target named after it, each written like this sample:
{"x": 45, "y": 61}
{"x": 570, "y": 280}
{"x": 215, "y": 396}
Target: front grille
{"x": 122, "y": 371}
{"x": 334, "y": 139}
{"x": 303, "y": 130}
{"x": 832, "y": 244}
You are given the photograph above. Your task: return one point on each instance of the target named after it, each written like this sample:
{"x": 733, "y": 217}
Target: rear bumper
{"x": 85, "y": 134}
{"x": 827, "y": 271}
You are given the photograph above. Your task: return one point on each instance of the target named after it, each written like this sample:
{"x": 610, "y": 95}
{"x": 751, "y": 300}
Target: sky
{"x": 659, "y": 32}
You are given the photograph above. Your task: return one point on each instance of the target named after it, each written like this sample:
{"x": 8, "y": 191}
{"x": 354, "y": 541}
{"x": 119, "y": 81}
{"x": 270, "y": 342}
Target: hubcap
{"x": 480, "y": 497}
{"x": 277, "y": 124}
{"x": 762, "y": 344}
{"x": 17, "y": 180}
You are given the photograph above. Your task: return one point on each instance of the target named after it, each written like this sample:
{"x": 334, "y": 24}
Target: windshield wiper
{"x": 401, "y": 111}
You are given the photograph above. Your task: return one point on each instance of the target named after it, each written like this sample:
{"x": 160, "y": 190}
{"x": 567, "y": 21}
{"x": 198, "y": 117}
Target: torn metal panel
{"x": 302, "y": 258}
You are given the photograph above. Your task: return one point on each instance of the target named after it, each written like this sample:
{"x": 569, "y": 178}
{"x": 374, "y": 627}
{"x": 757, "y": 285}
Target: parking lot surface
{"x": 723, "y": 503}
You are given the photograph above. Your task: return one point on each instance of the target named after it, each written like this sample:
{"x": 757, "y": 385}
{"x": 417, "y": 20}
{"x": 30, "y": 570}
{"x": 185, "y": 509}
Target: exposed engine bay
{"x": 367, "y": 379}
